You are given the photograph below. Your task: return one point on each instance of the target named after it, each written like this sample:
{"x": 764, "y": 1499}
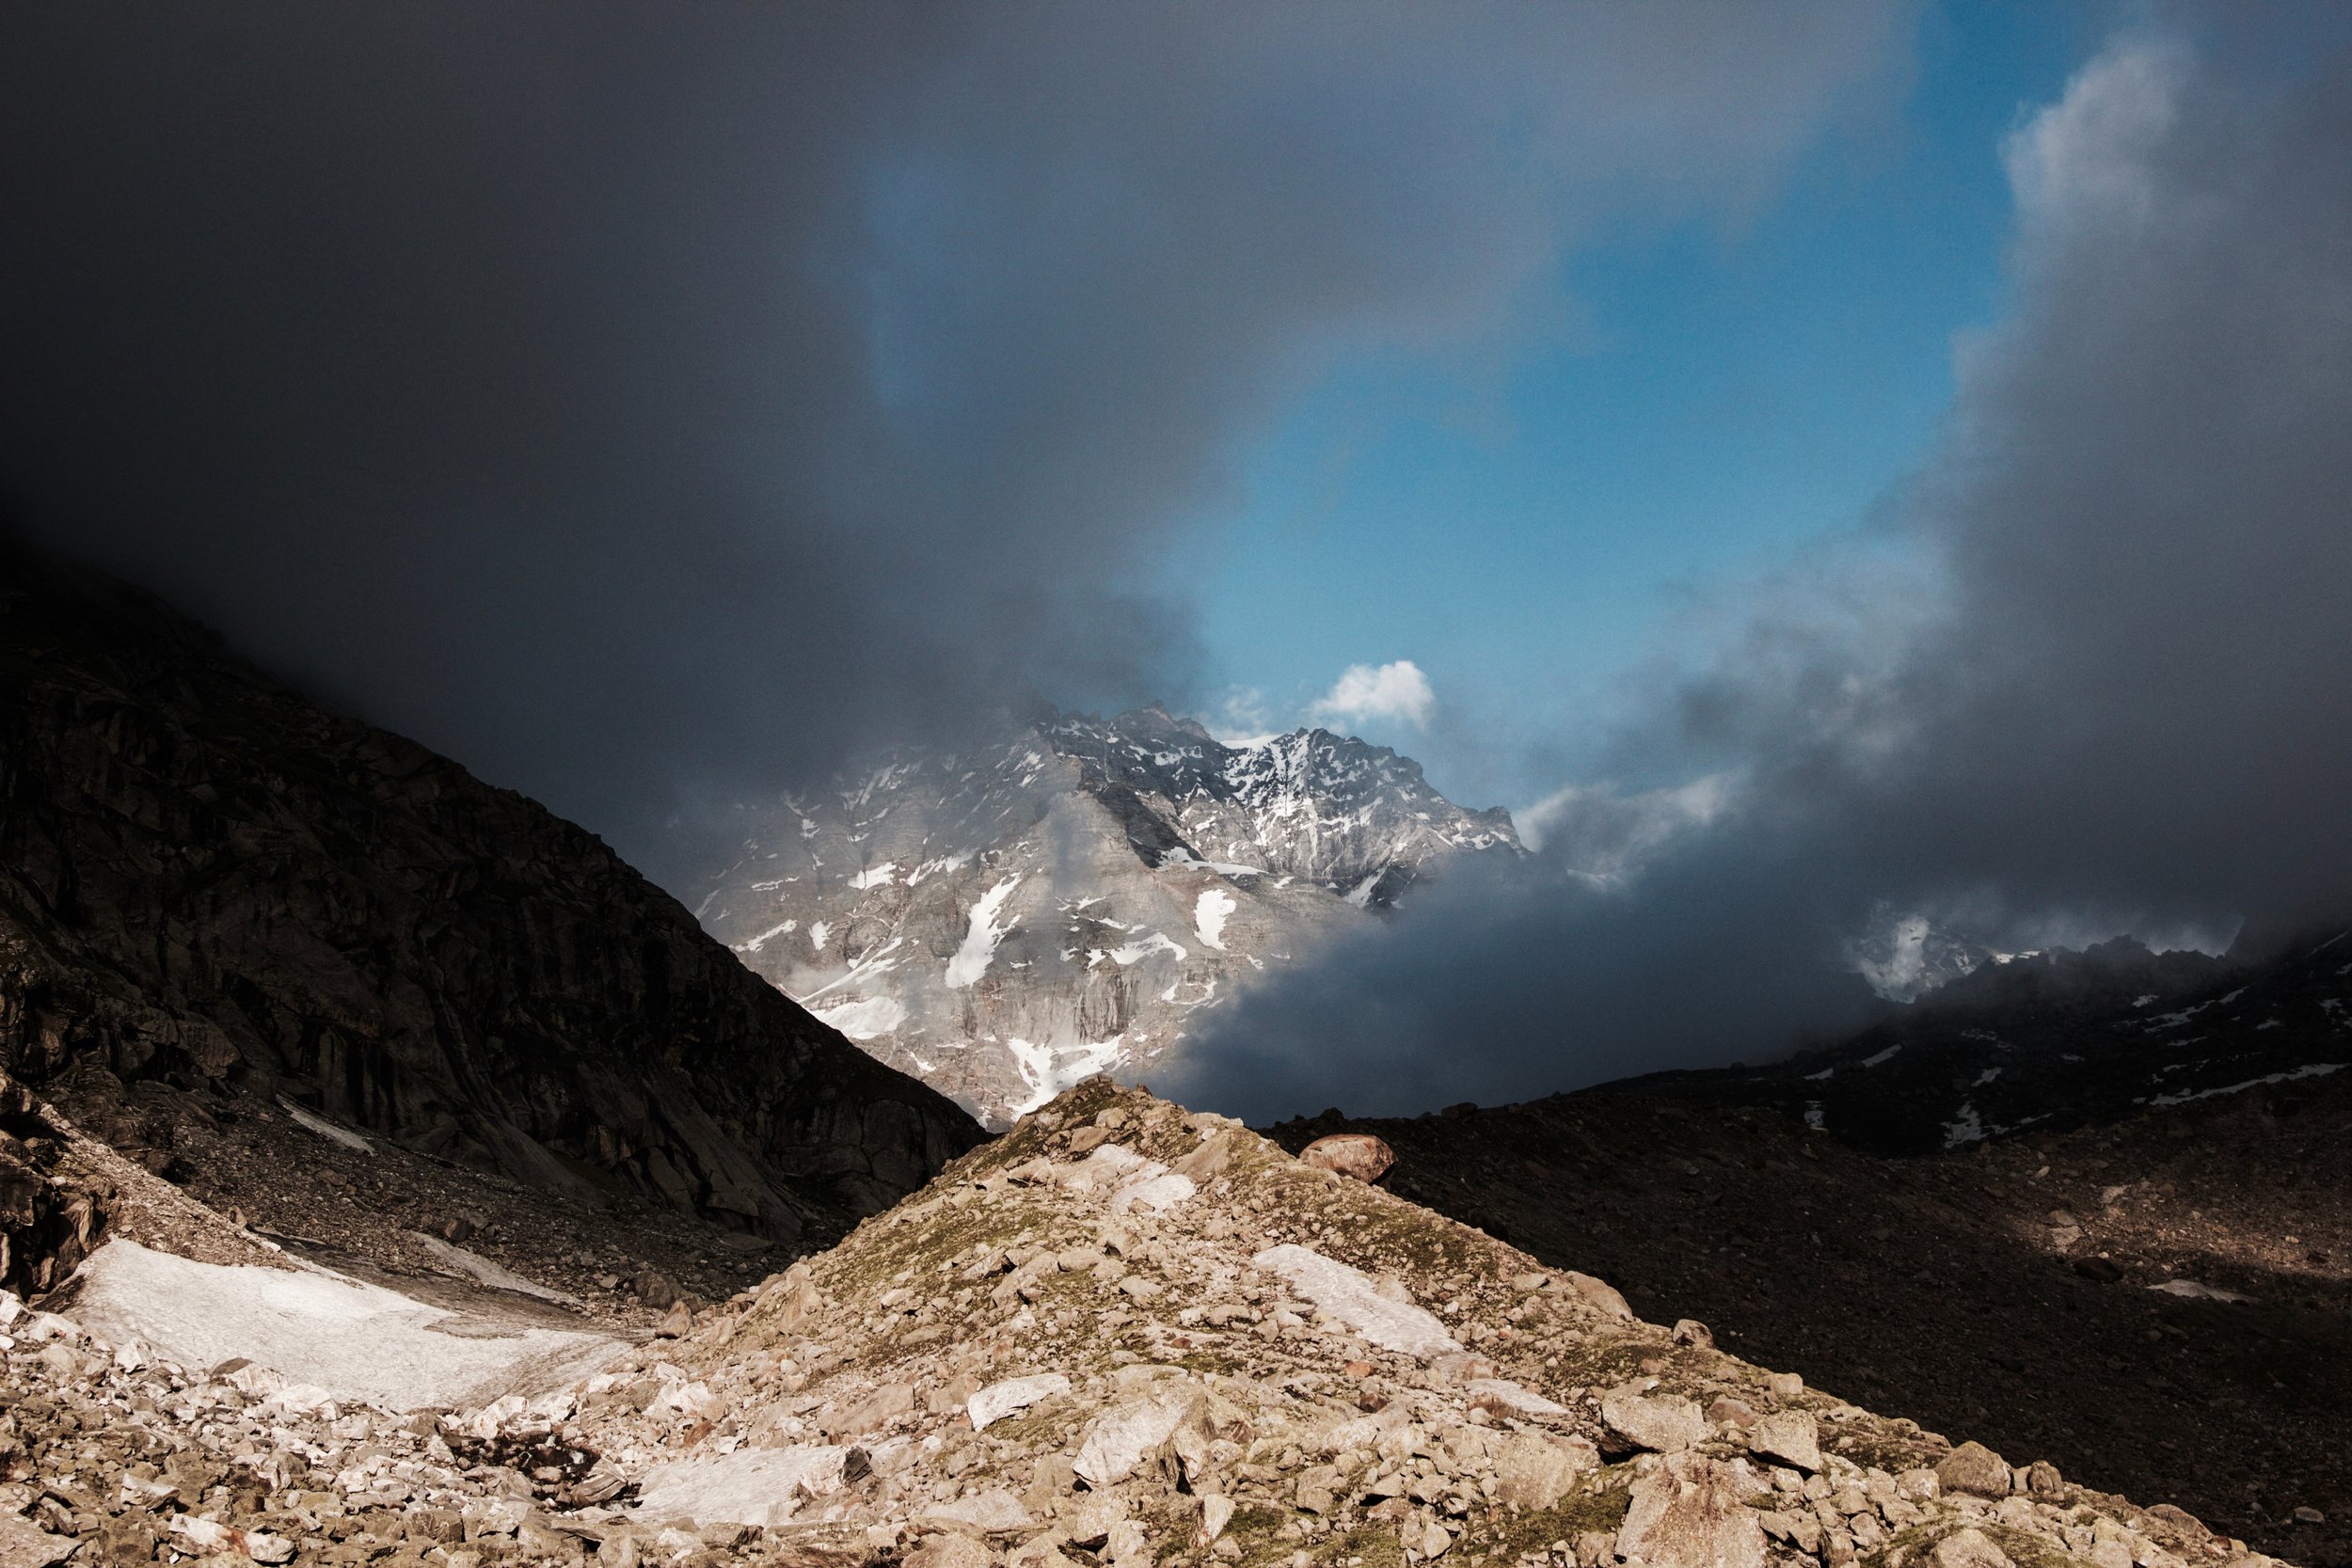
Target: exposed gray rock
{"x": 1600, "y": 1293}
{"x": 1974, "y": 1469}
{"x": 1690, "y": 1512}
{"x": 24, "y": 1544}
{"x": 1533, "y": 1470}
{"x": 1358, "y": 1155}
{"x": 1789, "y": 1437}
{"x": 1970, "y": 1548}
{"x": 1665, "y": 1423}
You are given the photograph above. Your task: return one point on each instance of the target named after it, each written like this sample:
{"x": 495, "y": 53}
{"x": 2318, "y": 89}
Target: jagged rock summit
{"x": 1002, "y": 922}
{"x": 1122, "y": 1335}
{"x": 207, "y": 879}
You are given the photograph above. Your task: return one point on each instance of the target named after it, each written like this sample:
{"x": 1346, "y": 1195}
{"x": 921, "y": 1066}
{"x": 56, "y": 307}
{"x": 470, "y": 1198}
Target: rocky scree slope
{"x": 206, "y": 880}
{"x": 1005, "y": 921}
{"x": 1122, "y": 1335}
{"x": 2160, "y": 1305}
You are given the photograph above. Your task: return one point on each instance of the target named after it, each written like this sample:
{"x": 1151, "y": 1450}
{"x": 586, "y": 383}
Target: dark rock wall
{"x": 204, "y": 876}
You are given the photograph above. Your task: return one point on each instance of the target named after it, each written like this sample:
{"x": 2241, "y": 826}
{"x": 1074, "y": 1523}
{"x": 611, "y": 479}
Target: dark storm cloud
{"x": 2128, "y": 707}
{"x": 644, "y": 402}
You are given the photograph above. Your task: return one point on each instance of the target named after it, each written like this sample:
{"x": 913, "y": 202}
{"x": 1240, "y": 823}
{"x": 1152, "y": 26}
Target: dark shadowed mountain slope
{"x": 2060, "y": 1040}
{"x": 205, "y": 878}
{"x": 2064, "y": 1294}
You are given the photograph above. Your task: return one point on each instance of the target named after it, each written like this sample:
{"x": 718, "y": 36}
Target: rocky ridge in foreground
{"x": 1121, "y": 1335}
{"x": 2162, "y": 1306}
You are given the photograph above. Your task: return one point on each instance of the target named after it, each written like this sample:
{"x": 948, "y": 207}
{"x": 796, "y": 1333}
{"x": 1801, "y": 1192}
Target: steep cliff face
{"x": 205, "y": 876}
{"x": 1004, "y": 921}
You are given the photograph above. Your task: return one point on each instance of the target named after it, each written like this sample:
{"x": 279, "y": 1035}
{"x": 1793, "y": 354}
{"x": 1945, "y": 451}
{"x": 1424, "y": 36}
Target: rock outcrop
{"x": 205, "y": 878}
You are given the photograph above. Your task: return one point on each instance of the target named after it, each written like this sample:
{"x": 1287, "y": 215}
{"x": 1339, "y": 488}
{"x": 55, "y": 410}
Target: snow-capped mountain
{"x": 1005, "y": 921}
{"x": 1909, "y": 955}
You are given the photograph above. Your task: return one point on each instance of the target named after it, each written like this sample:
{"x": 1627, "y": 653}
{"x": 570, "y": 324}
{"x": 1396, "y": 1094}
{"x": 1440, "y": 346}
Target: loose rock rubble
{"x": 1169, "y": 1345}
{"x": 1944, "y": 1288}
{"x": 1178, "y": 1346}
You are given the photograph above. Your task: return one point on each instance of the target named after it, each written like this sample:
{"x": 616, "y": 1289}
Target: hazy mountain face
{"x": 1004, "y": 920}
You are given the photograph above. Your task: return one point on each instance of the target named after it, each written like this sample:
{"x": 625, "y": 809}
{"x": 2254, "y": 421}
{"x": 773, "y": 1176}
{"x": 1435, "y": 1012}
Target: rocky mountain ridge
{"x": 2063, "y": 1039}
{"x": 1003, "y": 922}
{"x": 1122, "y": 1335}
{"x": 207, "y": 879}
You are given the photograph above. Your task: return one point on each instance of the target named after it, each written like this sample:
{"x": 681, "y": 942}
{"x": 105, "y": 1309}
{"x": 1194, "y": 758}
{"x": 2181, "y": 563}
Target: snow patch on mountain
{"x": 1047, "y": 1070}
{"x": 865, "y": 1018}
{"x": 980, "y": 941}
{"x": 1209, "y": 914}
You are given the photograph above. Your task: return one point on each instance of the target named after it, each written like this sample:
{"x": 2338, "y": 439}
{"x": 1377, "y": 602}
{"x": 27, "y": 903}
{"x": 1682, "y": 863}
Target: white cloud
{"x": 1243, "y": 719}
{"x": 1602, "y": 837}
{"x": 1397, "y": 691}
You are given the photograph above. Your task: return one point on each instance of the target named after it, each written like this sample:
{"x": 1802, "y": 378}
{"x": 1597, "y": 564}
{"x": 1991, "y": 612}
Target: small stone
{"x": 1970, "y": 1548}
{"x": 1536, "y": 1472}
{"x": 2310, "y": 1516}
{"x": 1000, "y": 1400}
{"x": 1358, "y": 1156}
{"x": 677, "y": 1323}
{"x": 1086, "y": 1520}
{"x": 1918, "y": 1486}
{"x": 1663, "y": 1425}
{"x": 883, "y": 1406}
{"x": 1784, "y": 1386}
{"x": 1118, "y": 1438}
{"x": 1725, "y": 1411}
{"x": 1789, "y": 1437}
{"x": 1600, "y": 1293}
{"x": 1688, "y": 1512}
{"x": 950, "y": 1551}
{"x": 262, "y": 1546}
{"x": 995, "y": 1512}
{"x": 2044, "y": 1481}
{"x": 1216, "y": 1513}
{"x": 1976, "y": 1469}
{"x": 1690, "y": 1330}
{"x": 25, "y": 1545}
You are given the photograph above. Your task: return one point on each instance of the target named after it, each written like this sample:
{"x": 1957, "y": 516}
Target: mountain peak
{"x": 1008, "y": 919}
